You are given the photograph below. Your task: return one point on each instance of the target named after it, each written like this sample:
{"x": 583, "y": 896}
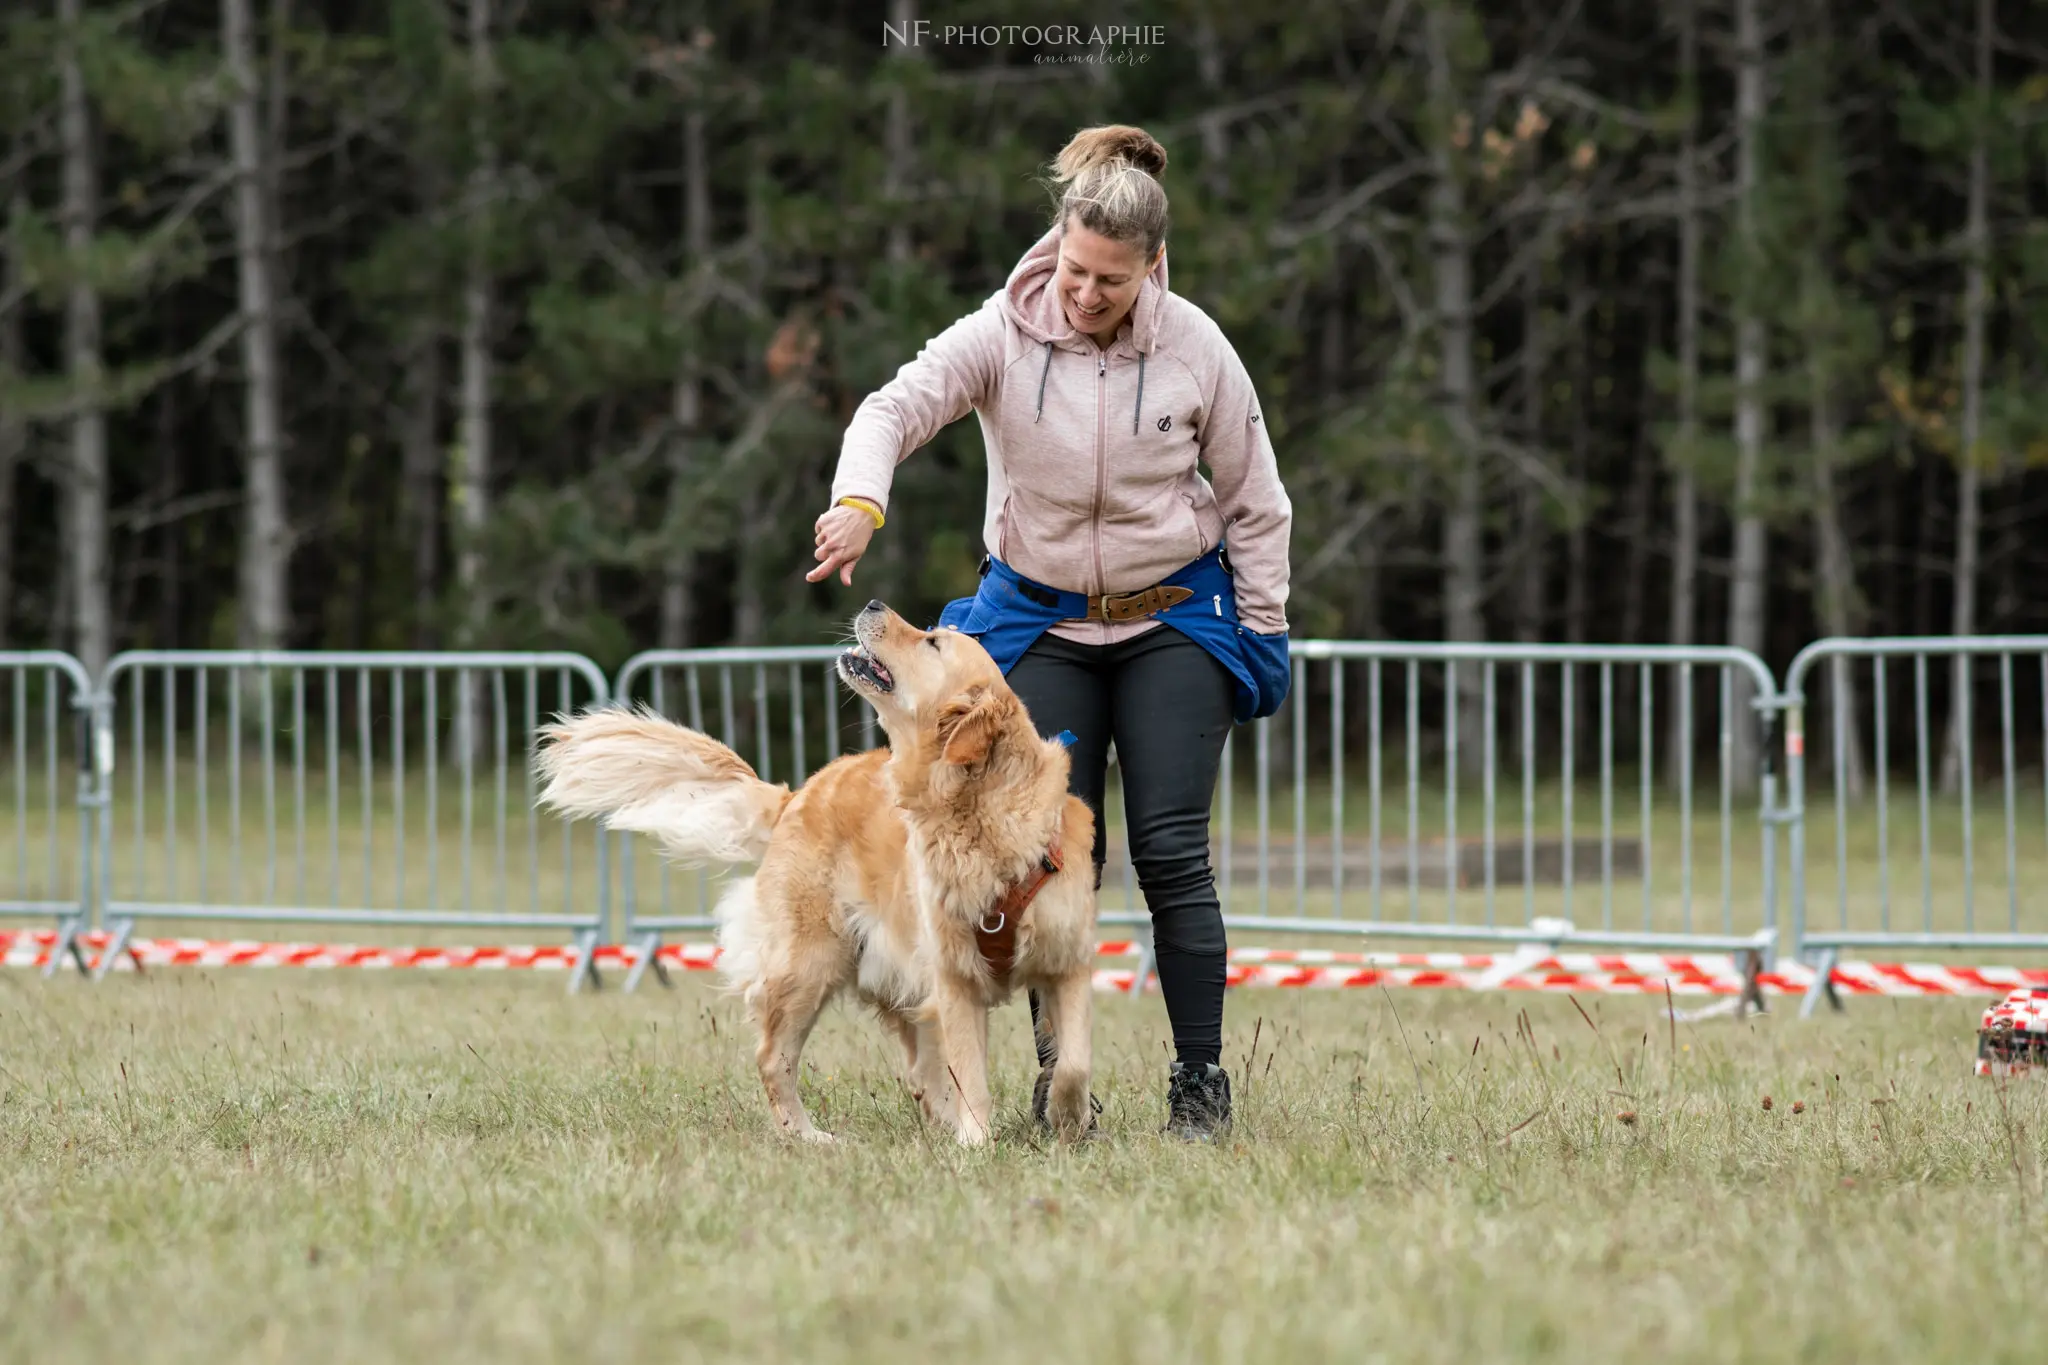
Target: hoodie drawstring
{"x": 1137, "y": 408}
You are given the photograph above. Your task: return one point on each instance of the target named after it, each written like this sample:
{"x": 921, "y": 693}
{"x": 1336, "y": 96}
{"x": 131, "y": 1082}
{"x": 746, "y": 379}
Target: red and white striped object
{"x": 33, "y": 950}
{"x": 1250, "y": 968}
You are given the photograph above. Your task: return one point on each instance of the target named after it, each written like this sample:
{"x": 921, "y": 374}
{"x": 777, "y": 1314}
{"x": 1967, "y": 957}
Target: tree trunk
{"x": 1835, "y": 570}
{"x": 1685, "y": 499}
{"x": 1578, "y": 600}
{"x": 1838, "y": 603}
{"x": 1532, "y": 525}
{"x": 1532, "y": 533}
{"x": 86, "y": 522}
{"x": 899, "y": 150}
{"x": 420, "y": 446}
{"x": 1642, "y": 515}
{"x": 472, "y": 475}
{"x": 678, "y": 603}
{"x": 1463, "y": 564}
{"x": 1969, "y": 523}
{"x": 266, "y": 546}
{"x": 1746, "y": 592}
{"x": 13, "y": 431}
{"x": 277, "y": 96}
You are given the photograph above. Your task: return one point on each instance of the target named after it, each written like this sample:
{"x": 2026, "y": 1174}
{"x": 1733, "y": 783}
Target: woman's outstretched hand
{"x": 843, "y": 534}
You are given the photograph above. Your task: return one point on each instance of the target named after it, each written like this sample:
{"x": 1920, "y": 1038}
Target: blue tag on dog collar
{"x": 1067, "y": 737}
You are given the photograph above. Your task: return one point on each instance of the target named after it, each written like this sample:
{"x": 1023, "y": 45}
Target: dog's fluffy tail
{"x": 636, "y": 770}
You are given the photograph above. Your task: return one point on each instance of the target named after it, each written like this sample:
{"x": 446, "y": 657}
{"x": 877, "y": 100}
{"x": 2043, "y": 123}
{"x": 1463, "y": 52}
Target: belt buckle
{"x": 1120, "y": 599}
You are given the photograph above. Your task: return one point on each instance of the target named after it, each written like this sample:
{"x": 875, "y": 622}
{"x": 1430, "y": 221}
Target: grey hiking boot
{"x": 1198, "y": 1102}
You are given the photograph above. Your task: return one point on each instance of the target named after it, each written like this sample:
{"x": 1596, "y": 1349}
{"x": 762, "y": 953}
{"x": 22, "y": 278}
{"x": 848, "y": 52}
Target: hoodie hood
{"x": 1032, "y": 302}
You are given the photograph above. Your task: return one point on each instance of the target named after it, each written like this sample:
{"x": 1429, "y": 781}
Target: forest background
{"x": 437, "y": 324}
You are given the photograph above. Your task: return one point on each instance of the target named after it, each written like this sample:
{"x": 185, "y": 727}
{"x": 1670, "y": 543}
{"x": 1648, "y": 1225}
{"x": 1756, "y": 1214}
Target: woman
{"x": 1107, "y": 595}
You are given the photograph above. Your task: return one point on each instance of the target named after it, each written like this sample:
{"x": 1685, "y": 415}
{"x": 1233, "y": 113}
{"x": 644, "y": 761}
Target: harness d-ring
{"x": 995, "y": 928}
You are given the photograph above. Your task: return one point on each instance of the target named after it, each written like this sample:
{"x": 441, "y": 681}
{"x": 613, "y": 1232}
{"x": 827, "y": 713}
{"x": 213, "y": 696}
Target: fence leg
{"x": 1524, "y": 957}
{"x": 647, "y": 953}
{"x": 69, "y": 931}
{"x": 1145, "y": 961}
{"x": 1823, "y": 984}
{"x": 124, "y": 929}
{"x": 586, "y": 963}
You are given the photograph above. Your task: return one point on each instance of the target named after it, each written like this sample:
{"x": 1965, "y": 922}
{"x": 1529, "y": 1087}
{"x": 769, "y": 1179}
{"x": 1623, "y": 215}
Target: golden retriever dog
{"x": 932, "y": 879}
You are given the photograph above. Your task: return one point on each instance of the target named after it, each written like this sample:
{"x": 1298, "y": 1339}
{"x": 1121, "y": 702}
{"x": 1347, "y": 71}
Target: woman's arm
{"x": 1258, "y": 518}
{"x": 955, "y": 371}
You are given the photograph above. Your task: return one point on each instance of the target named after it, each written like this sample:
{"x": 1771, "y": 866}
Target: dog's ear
{"x": 969, "y": 723}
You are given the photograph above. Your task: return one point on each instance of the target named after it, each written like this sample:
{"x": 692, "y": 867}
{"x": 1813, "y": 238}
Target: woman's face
{"x": 1098, "y": 280}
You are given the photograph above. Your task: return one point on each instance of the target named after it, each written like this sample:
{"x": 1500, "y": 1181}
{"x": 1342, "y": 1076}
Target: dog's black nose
{"x": 873, "y": 605}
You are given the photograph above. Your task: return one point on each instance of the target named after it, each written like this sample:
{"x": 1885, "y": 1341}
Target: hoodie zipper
{"x": 1101, "y": 463}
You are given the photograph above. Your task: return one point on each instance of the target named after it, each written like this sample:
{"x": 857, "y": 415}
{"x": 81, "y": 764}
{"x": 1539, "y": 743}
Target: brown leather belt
{"x": 1109, "y": 606}
{"x": 1134, "y": 606}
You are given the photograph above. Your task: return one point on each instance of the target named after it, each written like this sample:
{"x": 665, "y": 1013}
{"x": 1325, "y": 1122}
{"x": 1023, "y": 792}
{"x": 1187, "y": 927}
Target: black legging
{"x": 1167, "y": 704}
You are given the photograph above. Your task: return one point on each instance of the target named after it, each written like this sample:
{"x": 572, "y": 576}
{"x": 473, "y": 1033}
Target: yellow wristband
{"x": 864, "y": 505}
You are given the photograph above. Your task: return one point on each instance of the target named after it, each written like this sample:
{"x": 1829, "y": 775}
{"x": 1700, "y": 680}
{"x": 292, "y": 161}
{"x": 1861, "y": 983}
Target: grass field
{"x": 256, "y": 1166}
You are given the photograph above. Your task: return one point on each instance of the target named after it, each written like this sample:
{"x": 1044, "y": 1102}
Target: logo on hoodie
{"x": 1165, "y": 424}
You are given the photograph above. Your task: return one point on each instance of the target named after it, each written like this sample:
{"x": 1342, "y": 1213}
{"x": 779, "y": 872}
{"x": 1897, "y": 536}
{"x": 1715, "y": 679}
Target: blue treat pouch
{"x": 1266, "y": 657}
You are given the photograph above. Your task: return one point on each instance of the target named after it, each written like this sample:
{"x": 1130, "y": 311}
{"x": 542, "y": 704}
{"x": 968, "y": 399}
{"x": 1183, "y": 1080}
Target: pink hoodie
{"x": 1093, "y": 483}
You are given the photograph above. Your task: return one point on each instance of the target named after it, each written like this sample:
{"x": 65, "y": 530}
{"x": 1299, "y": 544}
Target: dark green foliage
{"x": 1299, "y": 140}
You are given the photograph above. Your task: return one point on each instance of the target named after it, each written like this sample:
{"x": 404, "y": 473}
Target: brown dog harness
{"x": 997, "y": 941}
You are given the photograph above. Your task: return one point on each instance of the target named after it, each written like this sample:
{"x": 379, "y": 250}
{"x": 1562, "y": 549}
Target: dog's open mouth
{"x": 859, "y": 666}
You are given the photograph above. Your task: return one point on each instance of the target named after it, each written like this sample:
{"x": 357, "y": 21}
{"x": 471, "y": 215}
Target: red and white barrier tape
{"x": 33, "y": 950}
{"x": 1306, "y": 968}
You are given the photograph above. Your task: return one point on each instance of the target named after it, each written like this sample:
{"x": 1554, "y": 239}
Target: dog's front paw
{"x": 971, "y": 1134}
{"x": 819, "y": 1136}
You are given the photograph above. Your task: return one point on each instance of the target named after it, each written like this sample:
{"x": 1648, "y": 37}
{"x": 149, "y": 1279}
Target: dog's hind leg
{"x": 905, "y": 1034}
{"x": 1070, "y": 1010}
{"x": 928, "y": 1077}
{"x": 788, "y": 1007}
{"x": 923, "y": 1072}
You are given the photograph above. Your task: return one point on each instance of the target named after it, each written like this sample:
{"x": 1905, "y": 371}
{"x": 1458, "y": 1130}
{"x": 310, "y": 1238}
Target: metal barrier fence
{"x": 46, "y": 696}
{"x": 1418, "y": 791}
{"x": 1854, "y": 696}
{"x": 1536, "y": 719}
{"x": 1461, "y": 878}
{"x": 364, "y": 789}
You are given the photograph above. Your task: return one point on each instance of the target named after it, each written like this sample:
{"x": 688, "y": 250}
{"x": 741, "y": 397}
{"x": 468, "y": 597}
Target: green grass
{"x": 225, "y": 1167}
